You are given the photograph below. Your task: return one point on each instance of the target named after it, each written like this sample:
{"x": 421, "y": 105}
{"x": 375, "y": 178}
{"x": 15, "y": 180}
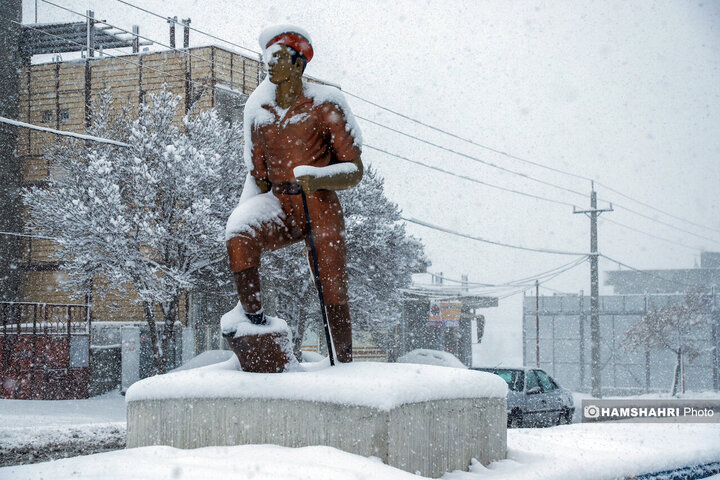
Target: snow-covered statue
{"x": 301, "y": 145}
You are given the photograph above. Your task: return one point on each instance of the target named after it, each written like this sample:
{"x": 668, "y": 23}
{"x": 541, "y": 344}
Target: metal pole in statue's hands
{"x": 316, "y": 272}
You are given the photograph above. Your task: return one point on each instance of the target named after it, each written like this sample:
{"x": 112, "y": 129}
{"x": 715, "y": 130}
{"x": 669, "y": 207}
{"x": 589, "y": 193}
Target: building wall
{"x": 669, "y": 280}
{"x": 565, "y": 345}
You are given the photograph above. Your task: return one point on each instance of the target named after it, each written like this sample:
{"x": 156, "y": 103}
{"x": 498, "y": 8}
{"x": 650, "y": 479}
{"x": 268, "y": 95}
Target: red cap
{"x": 295, "y": 41}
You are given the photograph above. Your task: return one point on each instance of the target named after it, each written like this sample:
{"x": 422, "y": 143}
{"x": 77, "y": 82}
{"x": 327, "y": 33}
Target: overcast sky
{"x": 624, "y": 92}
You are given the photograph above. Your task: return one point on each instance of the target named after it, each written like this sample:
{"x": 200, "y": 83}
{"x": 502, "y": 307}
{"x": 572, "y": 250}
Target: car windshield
{"x": 514, "y": 378}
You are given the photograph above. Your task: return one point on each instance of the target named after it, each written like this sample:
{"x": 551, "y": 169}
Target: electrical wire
{"x": 524, "y": 160}
{"x": 492, "y": 242}
{"x": 621, "y": 207}
{"x": 471, "y": 179}
{"x": 647, "y": 205}
{"x": 386, "y": 152}
{"x": 540, "y": 283}
{"x": 650, "y": 234}
{"x": 512, "y": 283}
{"x": 491, "y": 149}
{"x": 476, "y": 159}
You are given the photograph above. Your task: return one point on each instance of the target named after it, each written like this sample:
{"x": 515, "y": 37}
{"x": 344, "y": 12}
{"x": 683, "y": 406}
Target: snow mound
{"x": 311, "y": 357}
{"x": 209, "y": 357}
{"x": 431, "y": 357}
{"x": 378, "y": 385}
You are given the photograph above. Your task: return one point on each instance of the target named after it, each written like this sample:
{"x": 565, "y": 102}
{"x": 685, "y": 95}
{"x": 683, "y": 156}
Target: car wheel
{"x": 515, "y": 419}
{"x": 565, "y": 417}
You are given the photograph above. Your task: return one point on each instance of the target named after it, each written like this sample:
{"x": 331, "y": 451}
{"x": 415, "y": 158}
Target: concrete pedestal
{"x": 431, "y": 436}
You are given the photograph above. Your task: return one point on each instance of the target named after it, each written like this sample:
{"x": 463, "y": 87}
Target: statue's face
{"x": 280, "y": 66}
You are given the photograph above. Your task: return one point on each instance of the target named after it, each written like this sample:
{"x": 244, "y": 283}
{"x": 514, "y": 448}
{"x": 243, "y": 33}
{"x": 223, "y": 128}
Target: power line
{"x": 79, "y": 136}
{"x": 191, "y": 28}
{"x": 666, "y": 224}
{"x": 471, "y": 179}
{"x": 484, "y": 162}
{"x": 651, "y": 235}
{"x": 491, "y": 149}
{"x": 523, "y": 175}
{"x": 539, "y": 283}
{"x": 524, "y": 160}
{"x": 655, "y": 208}
{"x": 479, "y": 239}
{"x": 512, "y": 283}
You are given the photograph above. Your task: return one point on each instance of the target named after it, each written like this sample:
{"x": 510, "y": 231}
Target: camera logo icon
{"x": 591, "y": 411}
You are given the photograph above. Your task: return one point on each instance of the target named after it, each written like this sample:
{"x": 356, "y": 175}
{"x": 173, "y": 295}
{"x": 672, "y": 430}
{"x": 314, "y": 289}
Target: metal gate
{"x": 44, "y": 350}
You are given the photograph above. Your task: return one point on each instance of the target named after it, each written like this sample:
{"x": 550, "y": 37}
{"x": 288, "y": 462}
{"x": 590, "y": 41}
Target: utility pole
{"x": 90, "y": 33}
{"x": 186, "y": 32}
{"x": 172, "y": 21}
{"x": 537, "y": 324}
{"x": 593, "y": 213}
{"x": 715, "y": 319}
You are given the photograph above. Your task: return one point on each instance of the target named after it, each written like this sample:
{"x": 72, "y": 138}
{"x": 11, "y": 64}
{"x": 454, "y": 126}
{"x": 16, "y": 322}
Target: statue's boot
{"x": 341, "y": 329}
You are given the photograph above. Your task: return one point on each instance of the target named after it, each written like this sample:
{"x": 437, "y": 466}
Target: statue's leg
{"x": 244, "y": 251}
{"x": 247, "y": 284}
{"x": 341, "y": 328}
{"x": 329, "y": 236}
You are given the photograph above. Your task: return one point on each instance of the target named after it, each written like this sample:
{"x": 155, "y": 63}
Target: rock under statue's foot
{"x": 260, "y": 348}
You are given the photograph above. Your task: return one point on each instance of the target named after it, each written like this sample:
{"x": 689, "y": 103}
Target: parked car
{"x": 534, "y": 399}
{"x": 431, "y": 357}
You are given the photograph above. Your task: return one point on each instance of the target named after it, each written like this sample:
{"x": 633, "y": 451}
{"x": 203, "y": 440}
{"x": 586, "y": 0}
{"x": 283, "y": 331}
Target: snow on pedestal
{"x": 419, "y": 418}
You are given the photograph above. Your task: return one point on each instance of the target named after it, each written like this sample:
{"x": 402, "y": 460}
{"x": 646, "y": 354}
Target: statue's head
{"x": 287, "y": 50}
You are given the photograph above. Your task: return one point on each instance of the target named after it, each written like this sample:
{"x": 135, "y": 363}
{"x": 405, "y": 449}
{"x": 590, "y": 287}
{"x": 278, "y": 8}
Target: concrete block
{"x": 430, "y": 437}
{"x": 419, "y": 418}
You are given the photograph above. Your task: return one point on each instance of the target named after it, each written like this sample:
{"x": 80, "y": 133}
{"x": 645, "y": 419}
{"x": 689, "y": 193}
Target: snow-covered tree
{"x": 151, "y": 216}
{"x": 670, "y": 327}
{"x": 381, "y": 257}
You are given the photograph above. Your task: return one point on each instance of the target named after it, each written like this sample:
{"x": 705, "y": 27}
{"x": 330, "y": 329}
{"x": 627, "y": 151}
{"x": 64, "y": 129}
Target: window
{"x": 64, "y": 115}
{"x": 48, "y": 116}
{"x": 514, "y": 378}
{"x": 545, "y": 381}
{"x": 532, "y": 380}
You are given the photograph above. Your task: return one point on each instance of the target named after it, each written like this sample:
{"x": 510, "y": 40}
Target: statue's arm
{"x": 259, "y": 171}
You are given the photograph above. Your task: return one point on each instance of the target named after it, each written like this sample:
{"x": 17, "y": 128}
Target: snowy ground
{"x": 40, "y": 430}
{"x": 587, "y": 451}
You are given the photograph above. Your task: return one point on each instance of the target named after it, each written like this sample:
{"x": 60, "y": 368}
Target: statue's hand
{"x": 338, "y": 176}
{"x": 309, "y": 183}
